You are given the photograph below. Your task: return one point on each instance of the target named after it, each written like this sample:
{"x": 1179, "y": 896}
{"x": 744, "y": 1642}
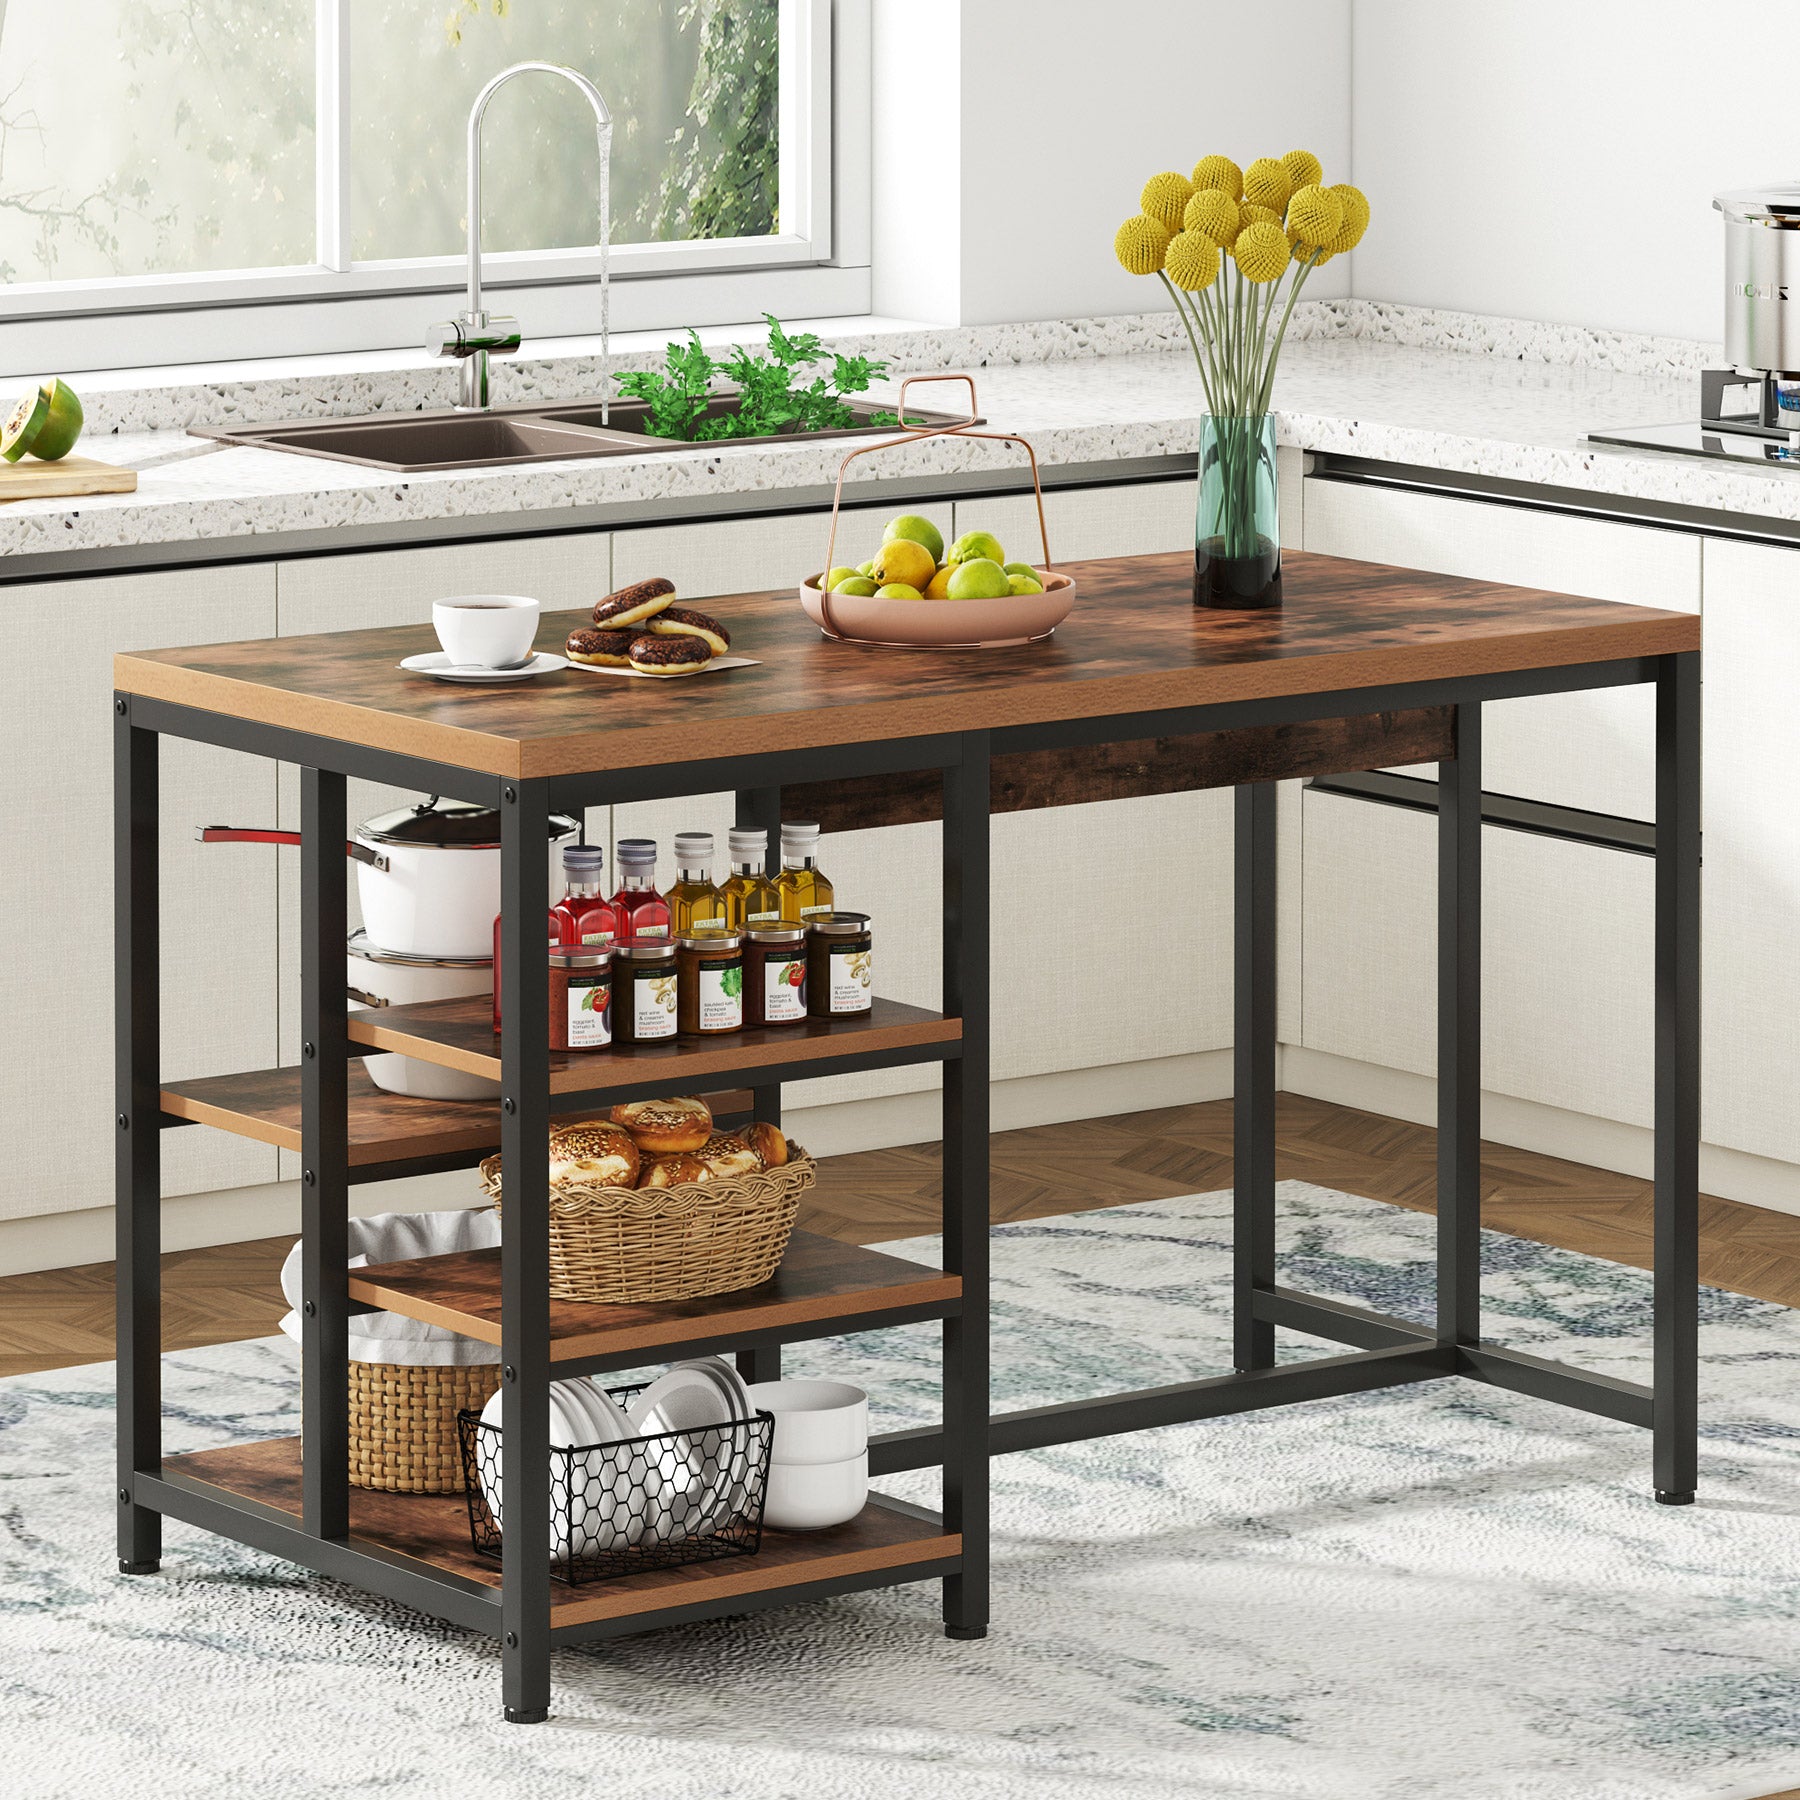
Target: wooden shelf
{"x": 820, "y": 1283}
{"x": 434, "y": 1529}
{"x": 459, "y": 1034}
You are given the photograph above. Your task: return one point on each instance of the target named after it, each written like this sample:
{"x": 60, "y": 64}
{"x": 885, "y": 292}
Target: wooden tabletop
{"x": 1134, "y": 643}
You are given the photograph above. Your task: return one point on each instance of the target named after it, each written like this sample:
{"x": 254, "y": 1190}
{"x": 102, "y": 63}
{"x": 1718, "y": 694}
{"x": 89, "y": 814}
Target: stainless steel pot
{"x": 427, "y": 876}
{"x": 1762, "y": 277}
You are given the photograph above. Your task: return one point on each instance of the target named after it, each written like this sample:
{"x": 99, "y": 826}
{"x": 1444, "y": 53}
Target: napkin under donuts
{"x": 660, "y": 1144}
{"x": 640, "y": 627}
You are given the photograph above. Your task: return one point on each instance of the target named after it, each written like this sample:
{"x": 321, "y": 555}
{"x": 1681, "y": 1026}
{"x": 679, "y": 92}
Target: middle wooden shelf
{"x": 459, "y": 1034}
{"x": 821, "y": 1287}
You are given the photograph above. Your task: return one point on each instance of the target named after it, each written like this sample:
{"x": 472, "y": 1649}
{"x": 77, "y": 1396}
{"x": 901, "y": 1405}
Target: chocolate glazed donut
{"x": 652, "y": 654}
{"x": 685, "y": 621}
{"x": 601, "y": 649}
{"x": 633, "y": 605}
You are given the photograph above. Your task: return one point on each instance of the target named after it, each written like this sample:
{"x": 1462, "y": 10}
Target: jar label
{"x": 651, "y": 930}
{"x": 722, "y": 997}
{"x": 784, "y": 990}
{"x": 590, "y": 1014}
{"x": 806, "y": 912}
{"x": 653, "y": 1005}
{"x": 766, "y": 918}
{"x": 596, "y": 937}
{"x": 852, "y": 980}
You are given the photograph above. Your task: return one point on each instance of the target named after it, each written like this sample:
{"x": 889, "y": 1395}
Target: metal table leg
{"x": 324, "y": 1159}
{"x": 1459, "y": 1036}
{"x": 137, "y": 1175}
{"x": 1677, "y": 1157}
{"x": 1253, "y": 1085}
{"x": 966, "y": 1217}
{"x": 761, "y": 808}
{"x": 525, "y": 1250}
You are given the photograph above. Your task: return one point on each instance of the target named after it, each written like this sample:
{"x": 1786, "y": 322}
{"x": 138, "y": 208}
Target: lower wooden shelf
{"x": 434, "y": 1529}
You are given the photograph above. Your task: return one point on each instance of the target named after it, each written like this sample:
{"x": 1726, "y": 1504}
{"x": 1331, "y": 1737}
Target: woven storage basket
{"x": 403, "y": 1436}
{"x": 677, "y": 1243}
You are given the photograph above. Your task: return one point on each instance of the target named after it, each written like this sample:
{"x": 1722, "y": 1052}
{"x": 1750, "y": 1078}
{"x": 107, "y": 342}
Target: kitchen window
{"x": 198, "y": 179}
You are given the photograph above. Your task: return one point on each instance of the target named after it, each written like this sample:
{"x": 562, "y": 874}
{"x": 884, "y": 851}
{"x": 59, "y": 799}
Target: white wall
{"x": 1540, "y": 159}
{"x": 1012, "y": 136}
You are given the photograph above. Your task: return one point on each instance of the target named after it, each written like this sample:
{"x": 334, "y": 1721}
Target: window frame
{"x": 336, "y": 303}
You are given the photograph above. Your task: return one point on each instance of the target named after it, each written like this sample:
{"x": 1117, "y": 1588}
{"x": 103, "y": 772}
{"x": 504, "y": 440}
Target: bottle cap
{"x": 798, "y": 833}
{"x": 747, "y": 843}
{"x": 637, "y": 851}
{"x": 692, "y": 849}
{"x": 583, "y": 856}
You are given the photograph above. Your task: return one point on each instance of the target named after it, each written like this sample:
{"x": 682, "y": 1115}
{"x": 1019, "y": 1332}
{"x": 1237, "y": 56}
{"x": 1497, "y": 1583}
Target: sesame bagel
{"x": 674, "y": 621}
{"x": 665, "y": 1127}
{"x": 633, "y": 605}
{"x": 601, "y": 649}
{"x": 654, "y": 654}
{"x": 594, "y": 1154}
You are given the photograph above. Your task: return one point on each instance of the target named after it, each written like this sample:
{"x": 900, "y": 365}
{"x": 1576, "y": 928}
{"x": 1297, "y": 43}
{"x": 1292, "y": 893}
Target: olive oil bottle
{"x": 803, "y": 886}
{"x": 750, "y": 896}
{"x": 694, "y": 900}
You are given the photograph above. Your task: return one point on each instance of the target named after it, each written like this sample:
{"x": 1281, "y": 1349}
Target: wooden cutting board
{"x": 29, "y": 479}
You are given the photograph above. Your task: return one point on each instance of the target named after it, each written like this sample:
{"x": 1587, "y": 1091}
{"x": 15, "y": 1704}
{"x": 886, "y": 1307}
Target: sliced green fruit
{"x": 56, "y": 437}
{"x": 25, "y": 424}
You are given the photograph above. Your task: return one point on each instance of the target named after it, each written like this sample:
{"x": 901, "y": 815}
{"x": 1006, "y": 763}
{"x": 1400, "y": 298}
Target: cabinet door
{"x": 1750, "y": 914}
{"x": 57, "y": 642}
{"x": 1568, "y": 982}
{"x": 397, "y": 587}
{"x": 1594, "y": 750}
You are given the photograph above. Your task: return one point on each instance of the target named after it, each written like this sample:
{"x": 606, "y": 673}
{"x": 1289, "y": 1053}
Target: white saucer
{"x": 438, "y": 663}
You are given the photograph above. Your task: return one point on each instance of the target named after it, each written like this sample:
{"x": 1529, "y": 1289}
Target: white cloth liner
{"x": 386, "y": 1337}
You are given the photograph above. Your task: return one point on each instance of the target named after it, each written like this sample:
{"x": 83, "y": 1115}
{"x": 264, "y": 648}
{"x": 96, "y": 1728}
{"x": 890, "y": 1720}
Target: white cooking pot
{"x": 428, "y": 876}
{"x": 382, "y": 978}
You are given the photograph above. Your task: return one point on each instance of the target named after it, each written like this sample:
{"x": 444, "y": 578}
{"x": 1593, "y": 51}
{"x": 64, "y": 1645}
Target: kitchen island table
{"x": 1137, "y": 693}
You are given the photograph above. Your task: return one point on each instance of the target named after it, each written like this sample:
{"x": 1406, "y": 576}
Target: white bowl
{"x": 815, "y": 1421}
{"x": 811, "y": 1496}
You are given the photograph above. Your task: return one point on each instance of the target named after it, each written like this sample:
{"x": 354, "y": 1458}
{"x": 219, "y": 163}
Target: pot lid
{"x": 448, "y": 825}
{"x": 1779, "y": 201}
{"x": 360, "y": 945}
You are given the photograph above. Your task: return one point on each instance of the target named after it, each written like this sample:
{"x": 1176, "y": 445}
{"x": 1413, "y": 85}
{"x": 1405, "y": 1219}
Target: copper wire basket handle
{"x": 961, "y": 428}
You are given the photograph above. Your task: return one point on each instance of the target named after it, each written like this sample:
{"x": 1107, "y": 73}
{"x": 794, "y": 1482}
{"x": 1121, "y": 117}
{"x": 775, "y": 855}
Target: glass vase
{"x": 1237, "y": 534}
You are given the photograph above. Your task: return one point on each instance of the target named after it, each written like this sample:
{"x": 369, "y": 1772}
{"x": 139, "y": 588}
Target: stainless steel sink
{"x": 409, "y": 443}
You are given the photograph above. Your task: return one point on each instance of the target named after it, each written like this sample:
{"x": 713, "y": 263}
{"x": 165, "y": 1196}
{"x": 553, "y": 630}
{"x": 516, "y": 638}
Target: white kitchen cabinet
{"x": 1593, "y": 750}
{"x": 1750, "y": 878}
{"x": 397, "y": 587}
{"x": 1568, "y": 982}
{"x": 57, "y": 641}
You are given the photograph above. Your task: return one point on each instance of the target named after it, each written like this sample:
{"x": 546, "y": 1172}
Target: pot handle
{"x": 363, "y": 999}
{"x": 242, "y": 834}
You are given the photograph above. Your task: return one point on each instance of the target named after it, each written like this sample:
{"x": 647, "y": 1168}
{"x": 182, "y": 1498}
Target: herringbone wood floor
{"x": 218, "y": 1295}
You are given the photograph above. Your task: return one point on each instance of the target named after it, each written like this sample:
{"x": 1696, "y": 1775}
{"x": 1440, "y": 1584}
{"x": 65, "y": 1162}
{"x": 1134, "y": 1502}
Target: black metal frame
{"x": 1386, "y": 1351}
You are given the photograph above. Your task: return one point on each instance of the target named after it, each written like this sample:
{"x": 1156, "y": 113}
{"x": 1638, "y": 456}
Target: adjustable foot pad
{"x": 527, "y": 1715}
{"x": 968, "y": 1633}
{"x": 140, "y": 1568}
{"x": 1674, "y": 1496}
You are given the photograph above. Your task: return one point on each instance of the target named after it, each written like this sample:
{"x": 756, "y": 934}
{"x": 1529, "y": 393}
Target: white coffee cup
{"x": 486, "y": 631}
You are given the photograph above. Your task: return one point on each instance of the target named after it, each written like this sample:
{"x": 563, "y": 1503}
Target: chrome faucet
{"x": 474, "y": 335}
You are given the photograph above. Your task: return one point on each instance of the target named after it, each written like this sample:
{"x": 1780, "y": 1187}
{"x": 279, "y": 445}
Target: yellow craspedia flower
{"x": 1303, "y": 169}
{"x": 1165, "y": 197}
{"x": 1315, "y": 216}
{"x": 1139, "y": 244}
{"x": 1192, "y": 261}
{"x": 1355, "y": 207}
{"x": 1213, "y": 211}
{"x": 1261, "y": 251}
{"x": 1267, "y": 183}
{"x": 1222, "y": 173}
{"x": 1249, "y": 213}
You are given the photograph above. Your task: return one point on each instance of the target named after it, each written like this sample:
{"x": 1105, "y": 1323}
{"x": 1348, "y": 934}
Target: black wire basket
{"x": 654, "y": 1502}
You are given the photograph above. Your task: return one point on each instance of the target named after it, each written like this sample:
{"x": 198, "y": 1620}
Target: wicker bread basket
{"x": 675, "y": 1243}
{"x": 403, "y": 1436}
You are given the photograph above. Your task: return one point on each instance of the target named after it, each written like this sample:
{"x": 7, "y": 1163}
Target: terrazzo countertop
{"x": 1444, "y": 391}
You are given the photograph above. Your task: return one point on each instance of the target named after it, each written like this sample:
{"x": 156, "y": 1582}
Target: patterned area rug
{"x": 1441, "y": 1592}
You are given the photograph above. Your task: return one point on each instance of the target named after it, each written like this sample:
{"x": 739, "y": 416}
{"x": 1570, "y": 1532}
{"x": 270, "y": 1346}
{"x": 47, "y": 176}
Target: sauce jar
{"x": 580, "y": 996}
{"x": 840, "y": 980}
{"x": 774, "y": 974}
{"x": 709, "y": 969}
{"x": 644, "y": 991}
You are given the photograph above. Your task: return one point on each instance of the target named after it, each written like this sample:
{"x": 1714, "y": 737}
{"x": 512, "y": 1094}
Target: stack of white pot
{"x": 428, "y": 878}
